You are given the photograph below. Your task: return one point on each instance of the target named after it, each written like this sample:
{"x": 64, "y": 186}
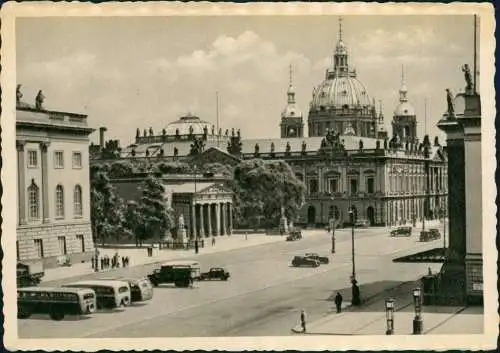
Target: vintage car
{"x": 361, "y": 223}
{"x": 215, "y": 273}
{"x": 321, "y": 259}
{"x": 294, "y": 235}
{"x": 299, "y": 261}
{"x": 429, "y": 235}
{"x": 401, "y": 231}
{"x": 141, "y": 289}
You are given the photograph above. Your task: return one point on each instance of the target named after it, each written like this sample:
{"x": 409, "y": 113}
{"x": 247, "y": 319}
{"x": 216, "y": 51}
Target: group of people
{"x": 105, "y": 262}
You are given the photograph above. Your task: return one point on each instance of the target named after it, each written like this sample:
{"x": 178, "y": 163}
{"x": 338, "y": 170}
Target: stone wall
{"x": 49, "y": 234}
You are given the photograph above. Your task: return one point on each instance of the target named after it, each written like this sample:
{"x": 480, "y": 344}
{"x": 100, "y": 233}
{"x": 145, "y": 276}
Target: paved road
{"x": 263, "y": 297}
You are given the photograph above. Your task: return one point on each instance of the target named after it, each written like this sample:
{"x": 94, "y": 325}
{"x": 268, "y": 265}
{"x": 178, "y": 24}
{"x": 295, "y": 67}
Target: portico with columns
{"x": 207, "y": 208}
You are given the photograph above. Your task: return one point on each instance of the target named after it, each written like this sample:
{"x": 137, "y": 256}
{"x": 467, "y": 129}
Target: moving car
{"x": 321, "y": 259}
{"x": 180, "y": 273}
{"x": 299, "y": 261}
{"x": 401, "y": 231}
{"x": 215, "y": 273}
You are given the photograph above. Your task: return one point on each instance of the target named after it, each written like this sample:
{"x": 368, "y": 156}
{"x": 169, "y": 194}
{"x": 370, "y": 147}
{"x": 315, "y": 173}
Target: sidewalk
{"x": 370, "y": 319}
{"x": 138, "y": 256}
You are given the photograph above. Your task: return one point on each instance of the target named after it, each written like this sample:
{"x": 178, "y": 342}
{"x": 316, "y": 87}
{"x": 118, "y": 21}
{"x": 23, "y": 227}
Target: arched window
{"x": 59, "y": 201}
{"x": 33, "y": 202}
{"x": 77, "y": 201}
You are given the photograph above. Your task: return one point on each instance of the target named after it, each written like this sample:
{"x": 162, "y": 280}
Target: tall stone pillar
{"x": 209, "y": 216}
{"x": 217, "y": 219}
{"x": 202, "y": 220}
{"x": 21, "y": 181}
{"x": 223, "y": 219}
{"x": 45, "y": 181}
{"x": 193, "y": 220}
{"x": 230, "y": 218}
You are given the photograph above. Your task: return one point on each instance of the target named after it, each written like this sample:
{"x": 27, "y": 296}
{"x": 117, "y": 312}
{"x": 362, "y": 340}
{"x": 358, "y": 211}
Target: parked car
{"x": 141, "y": 289}
{"x": 299, "y": 261}
{"x": 181, "y": 273}
{"x": 294, "y": 235}
{"x": 215, "y": 273}
{"x": 321, "y": 259}
{"x": 361, "y": 223}
{"x": 401, "y": 231}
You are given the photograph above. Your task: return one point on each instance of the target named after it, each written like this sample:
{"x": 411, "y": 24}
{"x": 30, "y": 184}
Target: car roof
{"x": 97, "y": 283}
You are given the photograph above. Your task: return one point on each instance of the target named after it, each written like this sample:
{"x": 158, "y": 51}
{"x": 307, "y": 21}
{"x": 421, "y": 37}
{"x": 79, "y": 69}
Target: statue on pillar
{"x": 451, "y": 107}
{"x": 181, "y": 229}
{"x": 213, "y": 130}
{"x": 468, "y": 79}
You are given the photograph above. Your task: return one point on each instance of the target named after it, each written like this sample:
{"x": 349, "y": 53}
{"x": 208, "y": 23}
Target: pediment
{"x": 216, "y": 155}
{"x": 215, "y": 189}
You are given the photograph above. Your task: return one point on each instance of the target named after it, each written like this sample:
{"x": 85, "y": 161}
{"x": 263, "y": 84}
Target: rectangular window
{"x": 62, "y": 245}
{"x": 32, "y": 159}
{"x": 39, "y": 248}
{"x": 313, "y": 186}
{"x": 77, "y": 160}
{"x": 58, "y": 159}
{"x": 354, "y": 186}
{"x": 334, "y": 185}
{"x": 17, "y": 250}
{"x": 370, "y": 183}
{"x": 80, "y": 239}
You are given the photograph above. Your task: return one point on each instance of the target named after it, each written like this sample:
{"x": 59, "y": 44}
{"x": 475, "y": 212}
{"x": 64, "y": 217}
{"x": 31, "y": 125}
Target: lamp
{"x": 418, "y": 323}
{"x": 389, "y": 313}
{"x": 356, "y": 298}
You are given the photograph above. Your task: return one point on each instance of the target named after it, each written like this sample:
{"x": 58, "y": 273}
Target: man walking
{"x": 303, "y": 320}
{"x": 338, "y": 302}
{"x": 213, "y": 241}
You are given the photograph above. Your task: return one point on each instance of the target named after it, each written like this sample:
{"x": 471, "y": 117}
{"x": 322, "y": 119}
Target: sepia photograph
{"x": 253, "y": 176}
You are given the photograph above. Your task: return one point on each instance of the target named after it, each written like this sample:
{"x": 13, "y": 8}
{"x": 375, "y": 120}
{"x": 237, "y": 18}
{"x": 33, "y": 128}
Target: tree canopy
{"x": 262, "y": 188}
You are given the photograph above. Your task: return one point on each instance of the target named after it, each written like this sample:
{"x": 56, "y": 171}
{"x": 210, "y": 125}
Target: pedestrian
{"x": 196, "y": 246}
{"x": 303, "y": 320}
{"x": 338, "y": 302}
{"x": 213, "y": 241}
{"x": 246, "y": 235}
{"x": 123, "y": 261}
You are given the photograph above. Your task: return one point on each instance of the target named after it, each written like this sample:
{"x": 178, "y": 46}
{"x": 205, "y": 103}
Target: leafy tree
{"x": 106, "y": 207}
{"x": 121, "y": 169}
{"x": 172, "y": 168}
{"x": 133, "y": 223}
{"x": 155, "y": 215}
{"x": 262, "y": 188}
{"x": 197, "y": 146}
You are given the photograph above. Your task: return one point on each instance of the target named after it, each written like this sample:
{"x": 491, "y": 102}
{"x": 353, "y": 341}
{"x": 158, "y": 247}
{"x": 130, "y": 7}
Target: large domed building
{"x": 341, "y": 102}
{"x": 347, "y": 162}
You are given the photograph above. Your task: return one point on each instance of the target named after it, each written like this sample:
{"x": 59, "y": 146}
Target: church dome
{"x": 340, "y": 91}
{"x": 404, "y": 109}
{"x": 185, "y": 123}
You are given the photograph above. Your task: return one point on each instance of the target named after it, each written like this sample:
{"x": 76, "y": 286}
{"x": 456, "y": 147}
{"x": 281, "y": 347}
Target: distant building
{"x": 348, "y": 162}
{"x": 53, "y": 185}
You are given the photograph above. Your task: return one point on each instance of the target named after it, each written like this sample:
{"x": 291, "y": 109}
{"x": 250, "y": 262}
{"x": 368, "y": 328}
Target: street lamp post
{"x": 389, "y": 314}
{"x": 418, "y": 322}
{"x": 356, "y": 298}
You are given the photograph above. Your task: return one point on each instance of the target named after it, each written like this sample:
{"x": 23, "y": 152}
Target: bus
{"x": 140, "y": 288}
{"x": 57, "y": 302}
{"x": 109, "y": 294}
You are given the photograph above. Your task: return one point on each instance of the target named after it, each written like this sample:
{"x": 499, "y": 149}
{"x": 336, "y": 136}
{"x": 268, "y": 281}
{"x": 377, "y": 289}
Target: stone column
{"x": 193, "y": 219}
{"x": 217, "y": 212}
{"x": 202, "y": 221}
{"x": 21, "y": 182}
{"x": 230, "y": 220}
{"x": 45, "y": 181}
{"x": 209, "y": 216}
{"x": 223, "y": 219}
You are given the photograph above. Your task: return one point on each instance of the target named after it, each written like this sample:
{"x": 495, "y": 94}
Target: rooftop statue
{"x": 40, "y": 98}
{"x": 468, "y": 79}
{"x": 19, "y": 95}
{"x": 213, "y": 130}
{"x": 451, "y": 107}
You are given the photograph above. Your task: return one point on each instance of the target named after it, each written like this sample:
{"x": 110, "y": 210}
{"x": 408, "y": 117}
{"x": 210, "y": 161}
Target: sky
{"x": 140, "y": 72}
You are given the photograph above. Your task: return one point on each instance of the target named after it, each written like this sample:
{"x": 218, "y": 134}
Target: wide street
{"x": 264, "y": 295}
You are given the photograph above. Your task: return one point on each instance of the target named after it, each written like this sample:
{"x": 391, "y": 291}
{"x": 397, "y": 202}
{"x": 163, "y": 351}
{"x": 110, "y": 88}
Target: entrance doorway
{"x": 311, "y": 215}
{"x": 370, "y": 214}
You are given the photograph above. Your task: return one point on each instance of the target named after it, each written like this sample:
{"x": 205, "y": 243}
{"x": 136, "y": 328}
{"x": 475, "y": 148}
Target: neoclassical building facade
{"x": 53, "y": 185}
{"x": 348, "y": 161}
